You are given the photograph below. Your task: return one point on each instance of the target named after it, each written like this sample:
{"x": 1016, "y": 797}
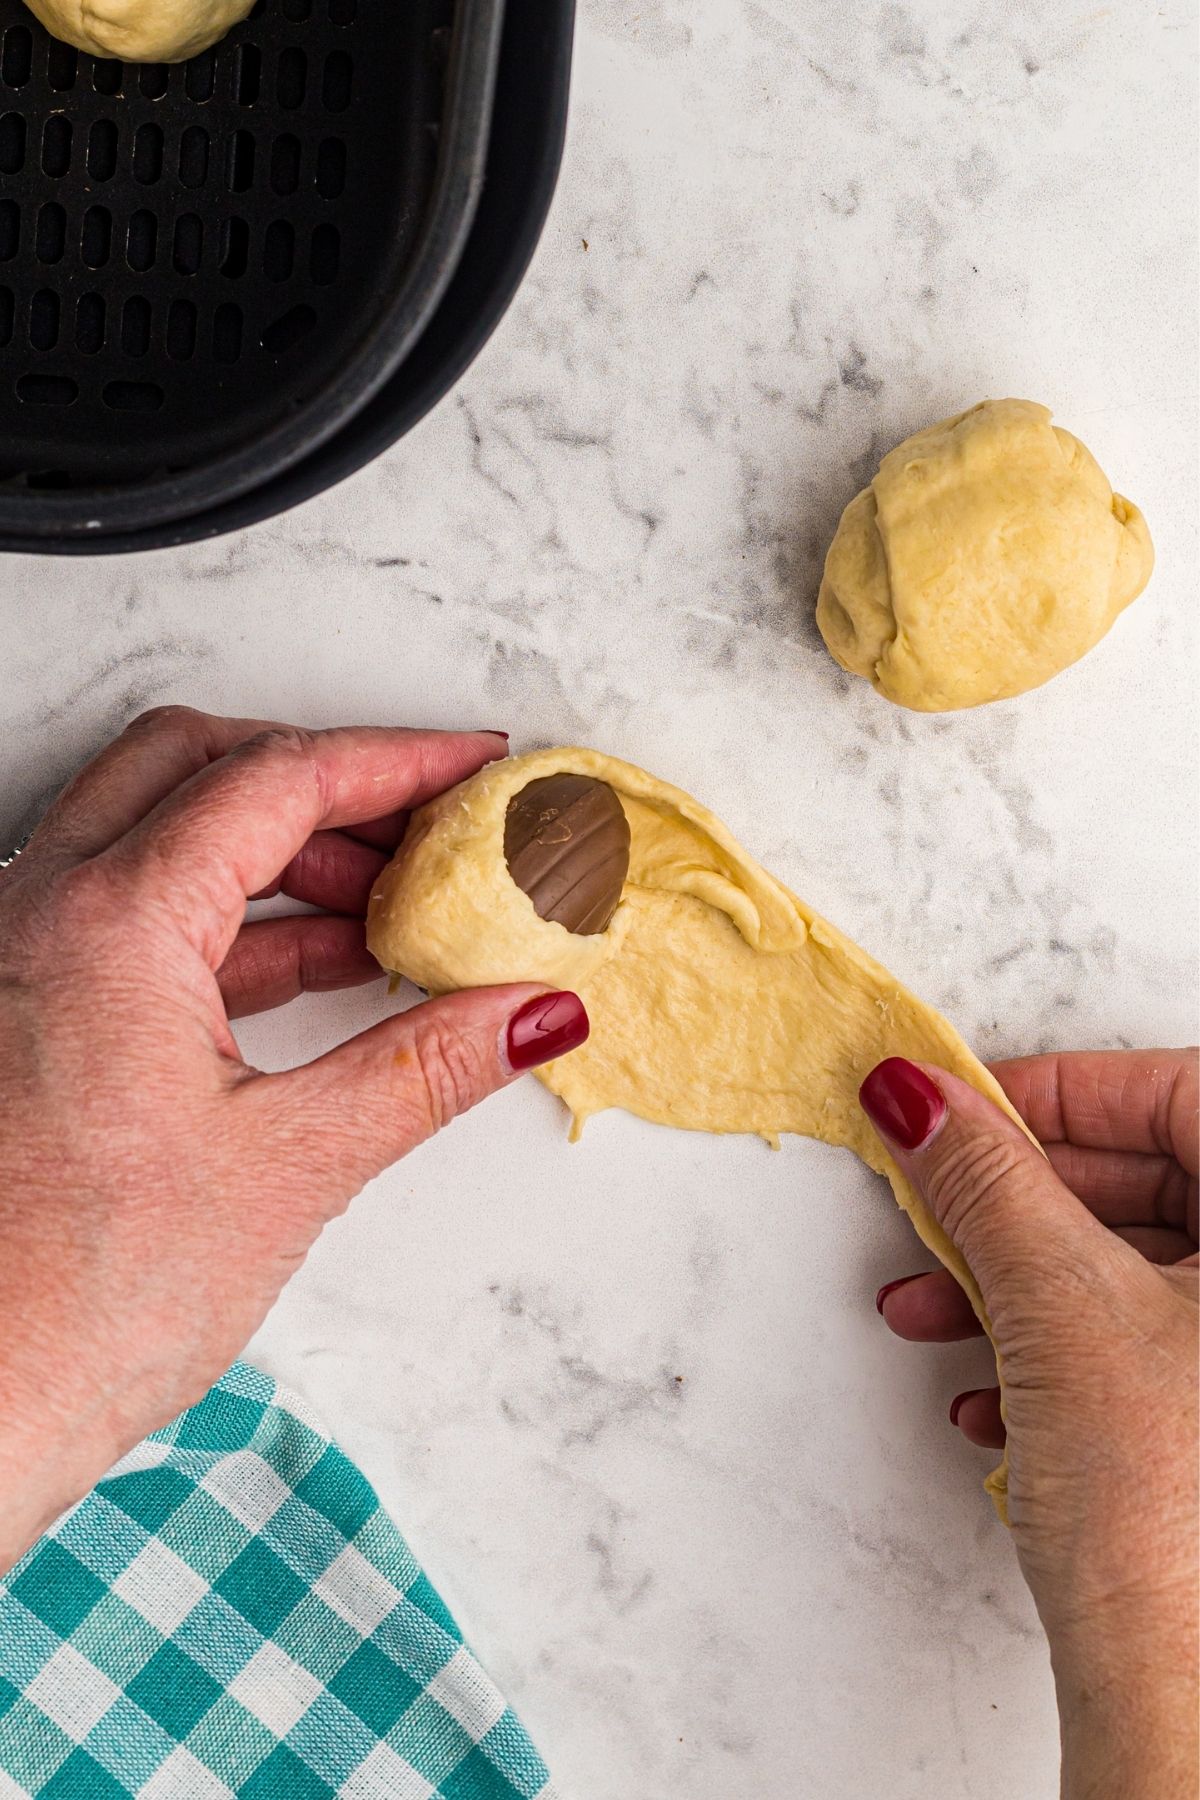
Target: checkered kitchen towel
{"x": 230, "y": 1612}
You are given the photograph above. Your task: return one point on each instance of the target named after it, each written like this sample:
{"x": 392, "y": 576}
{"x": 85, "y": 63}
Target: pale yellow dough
{"x": 718, "y": 1001}
{"x": 140, "y": 31}
{"x": 988, "y": 554}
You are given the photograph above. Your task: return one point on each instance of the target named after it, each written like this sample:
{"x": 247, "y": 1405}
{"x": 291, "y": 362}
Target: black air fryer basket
{"x": 217, "y": 278}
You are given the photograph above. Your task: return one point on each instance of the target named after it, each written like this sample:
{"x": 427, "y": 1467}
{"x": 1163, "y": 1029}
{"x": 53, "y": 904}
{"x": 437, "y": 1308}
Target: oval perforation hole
{"x": 285, "y": 164}
{"x": 152, "y": 79}
{"x": 89, "y": 324}
{"x": 291, "y": 78}
{"x": 51, "y": 237}
{"x": 227, "y": 333}
{"x": 135, "y": 326}
{"x": 44, "y": 311}
{"x": 338, "y": 81}
{"x": 12, "y": 144}
{"x": 189, "y": 243}
{"x": 47, "y": 390}
{"x": 193, "y": 156}
{"x": 107, "y": 76}
{"x": 101, "y": 150}
{"x": 181, "y": 330}
{"x": 288, "y": 330}
{"x": 342, "y": 12}
{"x": 62, "y": 64}
{"x": 331, "y": 168}
{"x": 95, "y": 240}
{"x": 200, "y": 77}
{"x": 296, "y": 10}
{"x": 141, "y": 240}
{"x": 56, "y": 145}
{"x": 279, "y": 250}
{"x": 10, "y": 229}
{"x": 234, "y": 252}
{"x": 247, "y": 74}
{"x": 48, "y": 478}
{"x": 133, "y": 396}
{"x": 148, "y": 154}
{"x": 239, "y": 162}
{"x": 7, "y": 314}
{"x": 16, "y": 60}
{"x": 325, "y": 254}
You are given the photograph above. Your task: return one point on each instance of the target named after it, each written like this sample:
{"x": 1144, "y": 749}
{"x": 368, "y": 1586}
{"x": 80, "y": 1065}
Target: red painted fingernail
{"x": 545, "y": 1028}
{"x": 489, "y": 731}
{"x": 956, "y": 1403}
{"x": 902, "y": 1103}
{"x": 889, "y": 1287}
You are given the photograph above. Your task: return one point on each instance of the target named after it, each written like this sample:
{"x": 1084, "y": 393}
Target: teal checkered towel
{"x": 231, "y": 1612}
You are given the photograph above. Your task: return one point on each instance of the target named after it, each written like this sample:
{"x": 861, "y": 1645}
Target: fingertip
{"x": 548, "y": 1026}
{"x": 976, "y": 1413}
{"x": 889, "y": 1287}
{"x": 930, "y": 1308}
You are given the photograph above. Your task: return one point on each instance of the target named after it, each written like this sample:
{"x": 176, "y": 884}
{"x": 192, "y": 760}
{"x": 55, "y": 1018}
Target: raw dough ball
{"x": 140, "y": 30}
{"x": 988, "y": 553}
{"x": 718, "y": 1001}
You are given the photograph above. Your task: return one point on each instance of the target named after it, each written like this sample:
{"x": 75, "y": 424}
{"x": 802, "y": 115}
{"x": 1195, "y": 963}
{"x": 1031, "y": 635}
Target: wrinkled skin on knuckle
{"x": 967, "y": 1179}
{"x": 164, "y": 721}
{"x": 445, "y": 1075}
{"x": 279, "y": 740}
{"x": 291, "y": 751}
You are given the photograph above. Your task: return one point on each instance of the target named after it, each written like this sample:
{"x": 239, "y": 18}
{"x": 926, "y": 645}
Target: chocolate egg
{"x": 566, "y": 843}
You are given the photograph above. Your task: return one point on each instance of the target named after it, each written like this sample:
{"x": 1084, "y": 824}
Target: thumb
{"x": 1022, "y": 1233}
{"x": 364, "y": 1105}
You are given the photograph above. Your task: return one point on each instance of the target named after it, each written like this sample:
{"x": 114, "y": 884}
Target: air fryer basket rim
{"x": 525, "y": 151}
{"x": 49, "y": 517}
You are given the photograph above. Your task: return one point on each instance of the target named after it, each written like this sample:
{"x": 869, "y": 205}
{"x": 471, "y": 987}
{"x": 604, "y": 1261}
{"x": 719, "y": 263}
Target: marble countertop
{"x": 786, "y": 234}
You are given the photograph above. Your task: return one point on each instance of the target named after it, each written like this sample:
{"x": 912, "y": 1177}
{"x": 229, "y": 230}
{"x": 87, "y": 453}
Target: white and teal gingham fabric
{"x": 230, "y": 1612}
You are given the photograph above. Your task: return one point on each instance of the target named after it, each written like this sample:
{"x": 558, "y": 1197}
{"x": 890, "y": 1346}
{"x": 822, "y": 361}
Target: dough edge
{"x": 452, "y": 857}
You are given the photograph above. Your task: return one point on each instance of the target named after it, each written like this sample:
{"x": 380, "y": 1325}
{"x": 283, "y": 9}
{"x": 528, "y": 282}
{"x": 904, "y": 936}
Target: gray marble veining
{"x": 707, "y": 1524}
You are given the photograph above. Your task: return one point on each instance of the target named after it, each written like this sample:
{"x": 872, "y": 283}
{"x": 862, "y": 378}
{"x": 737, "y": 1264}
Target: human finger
{"x": 156, "y": 751}
{"x": 976, "y": 1412}
{"x": 381, "y": 834}
{"x": 1137, "y": 1100}
{"x": 377, "y": 1096}
{"x": 333, "y": 871}
{"x": 271, "y": 961}
{"x": 1020, "y": 1231}
{"x": 229, "y": 830}
{"x": 1158, "y": 1244}
{"x": 928, "y": 1309}
{"x": 1128, "y": 1187}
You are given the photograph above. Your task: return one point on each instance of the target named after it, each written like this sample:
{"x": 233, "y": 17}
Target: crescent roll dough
{"x": 140, "y": 31}
{"x": 718, "y": 1000}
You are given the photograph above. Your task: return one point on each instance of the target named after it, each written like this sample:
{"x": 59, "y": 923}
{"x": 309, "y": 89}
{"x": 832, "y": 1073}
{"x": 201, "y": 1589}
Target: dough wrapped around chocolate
{"x": 718, "y": 1001}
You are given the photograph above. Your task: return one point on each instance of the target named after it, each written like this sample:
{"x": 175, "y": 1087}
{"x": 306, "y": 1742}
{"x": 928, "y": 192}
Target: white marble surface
{"x": 809, "y": 230}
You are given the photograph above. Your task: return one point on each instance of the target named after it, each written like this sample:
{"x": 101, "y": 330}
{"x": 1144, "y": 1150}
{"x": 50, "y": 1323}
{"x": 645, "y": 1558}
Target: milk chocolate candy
{"x": 566, "y": 843}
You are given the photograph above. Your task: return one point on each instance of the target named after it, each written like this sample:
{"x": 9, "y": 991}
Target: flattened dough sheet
{"x": 718, "y": 1000}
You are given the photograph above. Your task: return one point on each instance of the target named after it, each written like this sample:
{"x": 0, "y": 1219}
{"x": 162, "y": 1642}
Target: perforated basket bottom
{"x": 189, "y": 253}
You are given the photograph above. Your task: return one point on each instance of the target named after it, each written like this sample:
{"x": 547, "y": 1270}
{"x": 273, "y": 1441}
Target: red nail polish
{"x": 902, "y": 1103}
{"x": 489, "y": 731}
{"x": 545, "y": 1028}
{"x": 956, "y": 1403}
{"x": 889, "y": 1287}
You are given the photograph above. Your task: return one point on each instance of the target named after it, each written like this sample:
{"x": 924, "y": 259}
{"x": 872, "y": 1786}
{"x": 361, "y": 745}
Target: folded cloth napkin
{"x": 230, "y": 1612}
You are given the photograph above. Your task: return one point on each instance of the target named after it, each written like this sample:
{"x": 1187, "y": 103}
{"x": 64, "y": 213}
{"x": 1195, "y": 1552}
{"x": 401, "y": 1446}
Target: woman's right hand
{"x": 1086, "y": 1259}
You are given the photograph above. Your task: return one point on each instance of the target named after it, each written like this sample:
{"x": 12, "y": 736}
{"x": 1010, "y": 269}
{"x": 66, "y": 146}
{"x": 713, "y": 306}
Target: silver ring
{"x": 7, "y": 861}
